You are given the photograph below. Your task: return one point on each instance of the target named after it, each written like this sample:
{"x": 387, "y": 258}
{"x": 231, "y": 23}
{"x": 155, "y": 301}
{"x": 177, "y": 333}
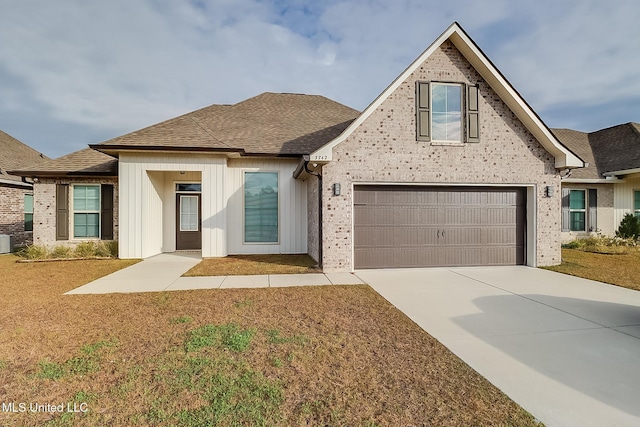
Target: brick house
{"x": 596, "y": 197}
{"x": 16, "y": 193}
{"x": 448, "y": 166}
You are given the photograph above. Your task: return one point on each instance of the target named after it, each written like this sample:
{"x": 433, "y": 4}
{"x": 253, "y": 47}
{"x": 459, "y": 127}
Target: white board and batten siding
{"x": 292, "y": 208}
{"x": 623, "y": 199}
{"x": 145, "y": 202}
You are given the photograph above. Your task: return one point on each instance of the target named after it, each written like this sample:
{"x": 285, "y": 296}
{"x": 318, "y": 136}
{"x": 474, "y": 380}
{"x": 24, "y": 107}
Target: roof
{"x": 273, "y": 124}
{"x": 15, "y": 154}
{"x": 611, "y": 151}
{"x": 85, "y": 162}
{"x": 564, "y": 158}
{"x": 617, "y": 149}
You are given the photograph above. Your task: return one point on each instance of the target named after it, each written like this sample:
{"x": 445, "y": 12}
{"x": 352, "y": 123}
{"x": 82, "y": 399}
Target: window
{"x": 189, "y": 213}
{"x": 636, "y": 203}
{"x": 447, "y": 112}
{"x": 28, "y": 212}
{"x": 86, "y": 211}
{"x": 577, "y": 210}
{"x": 261, "y": 207}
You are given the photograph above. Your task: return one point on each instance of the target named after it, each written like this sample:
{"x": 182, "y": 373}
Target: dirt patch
{"x": 328, "y": 355}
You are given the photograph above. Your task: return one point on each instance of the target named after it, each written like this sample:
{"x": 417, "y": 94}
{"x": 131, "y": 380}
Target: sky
{"x": 78, "y": 72}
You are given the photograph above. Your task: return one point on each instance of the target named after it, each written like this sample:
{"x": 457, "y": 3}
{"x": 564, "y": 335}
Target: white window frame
{"x": 586, "y": 206}
{"x": 192, "y": 194}
{"x": 73, "y": 212}
{"x": 244, "y": 180}
{"x": 636, "y": 212}
{"x": 432, "y": 86}
{"x": 28, "y": 212}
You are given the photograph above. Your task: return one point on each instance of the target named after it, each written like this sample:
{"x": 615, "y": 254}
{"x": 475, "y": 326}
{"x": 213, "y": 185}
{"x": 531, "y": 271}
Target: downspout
{"x": 317, "y": 175}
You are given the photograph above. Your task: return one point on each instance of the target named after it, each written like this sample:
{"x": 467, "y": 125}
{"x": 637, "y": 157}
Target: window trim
{"x": 72, "y": 212}
{"x": 244, "y": 180}
{"x": 191, "y": 194}
{"x": 584, "y": 210}
{"x": 636, "y": 212}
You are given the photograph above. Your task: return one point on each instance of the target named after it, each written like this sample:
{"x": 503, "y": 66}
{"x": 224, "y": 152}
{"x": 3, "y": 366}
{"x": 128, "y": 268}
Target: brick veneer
{"x": 12, "y": 214}
{"x": 384, "y": 149}
{"x": 44, "y": 215}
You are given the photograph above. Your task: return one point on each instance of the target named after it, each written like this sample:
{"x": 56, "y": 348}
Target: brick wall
{"x": 12, "y": 214}
{"x": 313, "y": 217}
{"x": 44, "y": 215}
{"x": 384, "y": 149}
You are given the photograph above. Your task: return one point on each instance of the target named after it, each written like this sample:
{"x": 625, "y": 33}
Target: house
{"x": 596, "y": 197}
{"x": 16, "y": 193}
{"x": 448, "y": 166}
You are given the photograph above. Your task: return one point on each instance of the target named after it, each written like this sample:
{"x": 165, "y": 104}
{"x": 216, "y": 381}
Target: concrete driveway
{"x": 566, "y": 349}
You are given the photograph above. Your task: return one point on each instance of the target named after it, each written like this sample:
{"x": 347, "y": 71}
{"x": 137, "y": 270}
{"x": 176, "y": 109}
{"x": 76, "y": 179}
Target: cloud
{"x": 117, "y": 66}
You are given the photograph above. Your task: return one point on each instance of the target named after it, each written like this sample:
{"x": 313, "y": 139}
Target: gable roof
{"x": 609, "y": 152}
{"x": 85, "y": 162}
{"x": 564, "y": 158}
{"x": 617, "y": 149}
{"x": 13, "y": 155}
{"x": 273, "y": 124}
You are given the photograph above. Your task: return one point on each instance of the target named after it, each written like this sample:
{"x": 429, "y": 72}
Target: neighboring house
{"x": 448, "y": 166}
{"x": 16, "y": 193}
{"x": 595, "y": 198}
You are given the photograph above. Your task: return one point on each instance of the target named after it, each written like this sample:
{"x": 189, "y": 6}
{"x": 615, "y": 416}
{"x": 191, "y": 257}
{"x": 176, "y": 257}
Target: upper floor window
{"x": 447, "y": 112}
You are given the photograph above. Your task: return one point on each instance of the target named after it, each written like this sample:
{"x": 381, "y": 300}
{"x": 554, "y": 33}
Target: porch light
{"x": 336, "y": 189}
{"x": 548, "y": 191}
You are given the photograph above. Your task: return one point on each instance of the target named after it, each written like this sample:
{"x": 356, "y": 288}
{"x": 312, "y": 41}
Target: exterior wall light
{"x": 548, "y": 191}
{"x": 336, "y": 189}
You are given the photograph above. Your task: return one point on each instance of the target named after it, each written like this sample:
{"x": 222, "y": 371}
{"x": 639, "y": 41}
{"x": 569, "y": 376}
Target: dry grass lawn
{"x": 622, "y": 269}
{"x": 234, "y": 265}
{"x": 338, "y": 355}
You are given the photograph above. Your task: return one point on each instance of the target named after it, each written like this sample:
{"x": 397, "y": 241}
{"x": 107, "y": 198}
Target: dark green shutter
{"x": 473, "y": 116}
{"x": 592, "y": 225}
{"x": 62, "y": 212}
{"x": 423, "y": 125}
{"x": 106, "y": 212}
{"x": 565, "y": 209}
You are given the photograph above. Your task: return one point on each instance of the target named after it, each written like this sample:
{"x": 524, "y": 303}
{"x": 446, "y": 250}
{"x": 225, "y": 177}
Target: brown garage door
{"x": 412, "y": 226}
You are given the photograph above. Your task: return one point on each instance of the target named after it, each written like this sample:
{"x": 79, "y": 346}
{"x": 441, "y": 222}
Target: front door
{"x": 188, "y": 224}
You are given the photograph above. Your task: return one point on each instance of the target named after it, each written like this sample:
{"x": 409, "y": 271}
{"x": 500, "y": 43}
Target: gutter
{"x": 621, "y": 172}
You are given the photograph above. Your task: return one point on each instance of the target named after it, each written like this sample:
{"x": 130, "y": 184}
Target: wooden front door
{"x": 188, "y": 223}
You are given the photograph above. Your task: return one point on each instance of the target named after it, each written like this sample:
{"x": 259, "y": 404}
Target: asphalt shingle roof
{"x": 14, "y": 155}
{"x": 608, "y": 150}
{"x": 275, "y": 124}
{"x": 83, "y": 162}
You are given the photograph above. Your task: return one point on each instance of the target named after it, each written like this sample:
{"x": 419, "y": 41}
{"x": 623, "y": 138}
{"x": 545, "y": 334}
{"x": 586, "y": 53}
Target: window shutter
{"x": 592, "y": 225}
{"x": 565, "y": 209}
{"x": 62, "y": 212}
{"x": 423, "y": 125}
{"x": 473, "y": 116}
{"x": 106, "y": 212}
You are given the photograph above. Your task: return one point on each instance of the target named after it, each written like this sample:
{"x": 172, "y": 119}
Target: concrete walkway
{"x": 566, "y": 349}
{"x": 163, "y": 273}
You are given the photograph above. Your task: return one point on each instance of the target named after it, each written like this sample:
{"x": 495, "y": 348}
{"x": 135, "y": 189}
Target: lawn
{"x": 234, "y": 265}
{"x": 622, "y": 269}
{"x": 329, "y": 355}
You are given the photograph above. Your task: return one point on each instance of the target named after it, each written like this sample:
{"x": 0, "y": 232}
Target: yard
{"x": 622, "y": 269}
{"x": 338, "y": 355}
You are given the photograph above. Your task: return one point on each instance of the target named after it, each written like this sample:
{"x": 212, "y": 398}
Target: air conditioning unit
{"x": 5, "y": 244}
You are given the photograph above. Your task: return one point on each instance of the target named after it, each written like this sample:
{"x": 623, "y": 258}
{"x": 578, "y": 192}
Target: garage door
{"x": 412, "y": 226}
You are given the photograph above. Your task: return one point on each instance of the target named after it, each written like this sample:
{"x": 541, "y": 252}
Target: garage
{"x": 417, "y": 226}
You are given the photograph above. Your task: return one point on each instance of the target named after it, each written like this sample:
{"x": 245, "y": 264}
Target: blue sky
{"x": 79, "y": 72}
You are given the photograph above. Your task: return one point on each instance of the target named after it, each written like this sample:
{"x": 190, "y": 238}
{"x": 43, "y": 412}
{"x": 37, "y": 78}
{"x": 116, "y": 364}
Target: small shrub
{"x": 62, "y": 251}
{"x": 575, "y": 244}
{"x": 86, "y": 249}
{"x": 629, "y": 227}
{"x": 34, "y": 252}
